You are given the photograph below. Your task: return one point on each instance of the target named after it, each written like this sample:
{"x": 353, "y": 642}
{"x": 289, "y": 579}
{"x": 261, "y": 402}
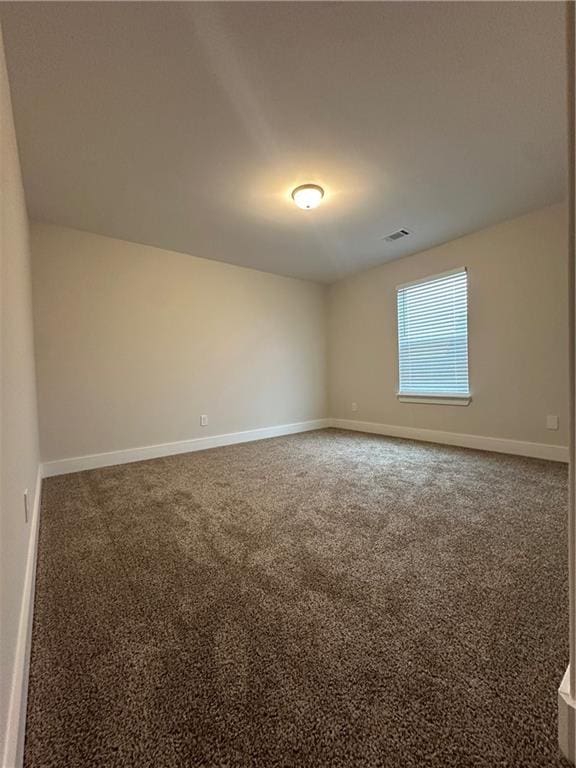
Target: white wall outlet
{"x": 551, "y": 421}
{"x": 26, "y": 505}
{"x": 354, "y": 407}
{"x": 203, "y": 420}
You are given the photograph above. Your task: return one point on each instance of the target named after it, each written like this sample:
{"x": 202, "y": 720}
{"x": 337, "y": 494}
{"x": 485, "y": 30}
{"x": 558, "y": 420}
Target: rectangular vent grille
{"x": 398, "y": 235}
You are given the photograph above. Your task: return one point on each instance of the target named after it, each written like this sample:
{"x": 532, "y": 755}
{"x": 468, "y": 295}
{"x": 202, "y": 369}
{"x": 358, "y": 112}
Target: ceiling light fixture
{"x": 308, "y": 196}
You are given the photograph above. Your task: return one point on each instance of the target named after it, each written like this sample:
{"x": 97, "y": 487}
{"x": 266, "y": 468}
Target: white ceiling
{"x": 186, "y": 125}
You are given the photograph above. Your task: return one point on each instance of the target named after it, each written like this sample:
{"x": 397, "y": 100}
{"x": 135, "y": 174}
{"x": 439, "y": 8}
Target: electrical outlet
{"x": 203, "y": 420}
{"x": 26, "y": 505}
{"x": 551, "y": 421}
{"x": 354, "y": 407}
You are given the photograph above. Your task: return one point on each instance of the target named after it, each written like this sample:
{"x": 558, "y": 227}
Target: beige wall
{"x": 518, "y": 326}
{"x": 134, "y": 343}
{"x": 18, "y": 428}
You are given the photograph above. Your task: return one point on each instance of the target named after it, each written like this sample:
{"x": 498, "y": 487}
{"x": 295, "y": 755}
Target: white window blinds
{"x": 433, "y": 336}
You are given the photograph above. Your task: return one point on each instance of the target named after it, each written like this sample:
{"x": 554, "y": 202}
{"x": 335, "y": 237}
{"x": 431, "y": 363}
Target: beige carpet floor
{"x": 324, "y": 599}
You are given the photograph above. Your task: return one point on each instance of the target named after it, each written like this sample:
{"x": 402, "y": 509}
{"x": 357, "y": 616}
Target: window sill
{"x": 406, "y": 397}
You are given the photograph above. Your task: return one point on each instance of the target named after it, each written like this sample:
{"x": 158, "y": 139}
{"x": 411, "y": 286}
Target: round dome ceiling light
{"x": 308, "y": 196}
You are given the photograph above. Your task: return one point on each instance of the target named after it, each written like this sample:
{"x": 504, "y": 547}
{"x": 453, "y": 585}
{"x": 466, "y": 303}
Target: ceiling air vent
{"x": 398, "y": 235}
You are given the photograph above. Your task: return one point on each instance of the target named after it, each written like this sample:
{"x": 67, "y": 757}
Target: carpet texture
{"x": 324, "y": 599}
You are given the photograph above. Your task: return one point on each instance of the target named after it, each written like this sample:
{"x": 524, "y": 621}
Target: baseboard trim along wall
{"x": 16, "y": 725}
{"x": 94, "y": 461}
{"x": 479, "y": 442}
{"x": 497, "y": 444}
{"x": 566, "y": 719}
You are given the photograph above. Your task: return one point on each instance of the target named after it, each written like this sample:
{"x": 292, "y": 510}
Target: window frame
{"x": 434, "y": 398}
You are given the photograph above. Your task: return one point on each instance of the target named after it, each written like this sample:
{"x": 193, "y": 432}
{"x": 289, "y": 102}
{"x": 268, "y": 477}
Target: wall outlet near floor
{"x": 26, "y": 505}
{"x": 354, "y": 407}
{"x": 551, "y": 421}
{"x": 203, "y": 420}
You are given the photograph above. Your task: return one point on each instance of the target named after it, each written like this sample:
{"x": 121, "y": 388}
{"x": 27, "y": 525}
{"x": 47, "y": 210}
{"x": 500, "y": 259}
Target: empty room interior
{"x": 287, "y": 385}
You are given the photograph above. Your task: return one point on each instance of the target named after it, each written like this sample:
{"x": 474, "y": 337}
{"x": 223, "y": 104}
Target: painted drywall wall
{"x": 18, "y": 422}
{"x": 134, "y": 343}
{"x": 518, "y": 334}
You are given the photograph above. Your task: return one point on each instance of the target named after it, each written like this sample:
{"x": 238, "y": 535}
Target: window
{"x": 433, "y": 339}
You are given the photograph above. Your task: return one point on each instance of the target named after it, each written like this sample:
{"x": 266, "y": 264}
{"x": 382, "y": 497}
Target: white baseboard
{"x": 497, "y": 444}
{"x": 16, "y": 723}
{"x": 566, "y": 719}
{"x": 93, "y": 461}
{"x": 111, "y": 458}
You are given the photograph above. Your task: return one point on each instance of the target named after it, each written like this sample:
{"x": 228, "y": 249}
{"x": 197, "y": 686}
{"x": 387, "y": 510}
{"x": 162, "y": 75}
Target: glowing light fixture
{"x": 308, "y": 196}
